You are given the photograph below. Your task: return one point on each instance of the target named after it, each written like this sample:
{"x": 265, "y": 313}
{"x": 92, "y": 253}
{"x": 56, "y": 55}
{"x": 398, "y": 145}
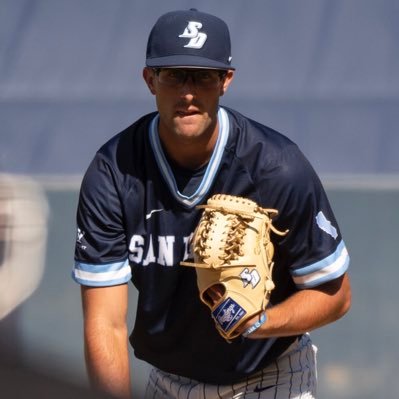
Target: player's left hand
{"x": 233, "y": 257}
{"x": 215, "y": 294}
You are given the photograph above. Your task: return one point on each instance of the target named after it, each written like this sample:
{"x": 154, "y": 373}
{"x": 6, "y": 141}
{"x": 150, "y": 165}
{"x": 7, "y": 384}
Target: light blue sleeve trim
{"x": 102, "y": 275}
{"x": 327, "y": 269}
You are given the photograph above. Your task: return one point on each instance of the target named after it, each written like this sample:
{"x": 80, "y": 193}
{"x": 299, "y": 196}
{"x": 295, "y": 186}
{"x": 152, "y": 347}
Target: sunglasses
{"x": 202, "y": 78}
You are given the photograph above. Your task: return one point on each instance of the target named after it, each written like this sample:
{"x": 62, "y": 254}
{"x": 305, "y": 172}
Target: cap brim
{"x": 186, "y": 61}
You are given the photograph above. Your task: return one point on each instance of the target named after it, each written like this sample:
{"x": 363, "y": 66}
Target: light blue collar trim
{"x": 211, "y": 170}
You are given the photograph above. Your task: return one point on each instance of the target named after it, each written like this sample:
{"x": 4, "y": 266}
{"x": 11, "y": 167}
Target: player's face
{"x": 187, "y": 99}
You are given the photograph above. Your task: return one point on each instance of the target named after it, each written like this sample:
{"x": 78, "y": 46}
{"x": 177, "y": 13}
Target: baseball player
{"x": 137, "y": 214}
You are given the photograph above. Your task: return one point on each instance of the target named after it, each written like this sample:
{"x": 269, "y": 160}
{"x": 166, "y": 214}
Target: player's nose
{"x": 188, "y": 87}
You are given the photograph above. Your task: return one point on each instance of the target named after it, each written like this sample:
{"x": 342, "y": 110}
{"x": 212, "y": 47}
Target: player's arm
{"x": 313, "y": 249}
{"x": 306, "y": 310}
{"x": 106, "y": 339}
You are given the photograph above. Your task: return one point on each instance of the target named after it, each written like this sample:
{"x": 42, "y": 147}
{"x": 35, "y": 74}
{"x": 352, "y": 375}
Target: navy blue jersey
{"x": 136, "y": 215}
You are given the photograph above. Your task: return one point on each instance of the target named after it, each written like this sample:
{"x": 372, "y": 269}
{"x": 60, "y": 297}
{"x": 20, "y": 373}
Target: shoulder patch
{"x": 325, "y": 225}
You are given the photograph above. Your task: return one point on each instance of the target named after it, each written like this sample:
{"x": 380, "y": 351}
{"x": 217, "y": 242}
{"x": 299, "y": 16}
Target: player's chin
{"x": 189, "y": 128}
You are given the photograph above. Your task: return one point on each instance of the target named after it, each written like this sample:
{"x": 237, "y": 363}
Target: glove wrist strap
{"x": 255, "y": 326}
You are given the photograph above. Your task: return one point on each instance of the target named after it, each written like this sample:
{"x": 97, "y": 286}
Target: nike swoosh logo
{"x": 148, "y": 216}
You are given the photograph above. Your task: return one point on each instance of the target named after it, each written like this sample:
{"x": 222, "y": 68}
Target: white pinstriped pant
{"x": 292, "y": 376}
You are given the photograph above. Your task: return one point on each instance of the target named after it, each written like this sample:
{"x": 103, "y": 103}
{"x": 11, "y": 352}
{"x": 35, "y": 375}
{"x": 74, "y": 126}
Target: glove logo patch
{"x": 228, "y": 313}
{"x": 250, "y": 277}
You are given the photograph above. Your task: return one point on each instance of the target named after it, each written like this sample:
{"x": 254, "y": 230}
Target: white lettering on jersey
{"x": 136, "y": 248}
{"x": 150, "y": 257}
{"x": 165, "y": 255}
{"x": 197, "y": 39}
{"x": 326, "y": 225}
{"x": 187, "y": 247}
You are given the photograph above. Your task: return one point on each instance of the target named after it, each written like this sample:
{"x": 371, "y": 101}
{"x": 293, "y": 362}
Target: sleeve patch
{"x": 326, "y": 225}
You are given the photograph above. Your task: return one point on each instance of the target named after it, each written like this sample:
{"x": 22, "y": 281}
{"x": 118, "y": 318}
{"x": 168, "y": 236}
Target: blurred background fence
{"x": 323, "y": 72}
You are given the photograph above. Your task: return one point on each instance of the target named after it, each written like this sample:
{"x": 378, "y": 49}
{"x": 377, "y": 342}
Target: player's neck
{"x": 190, "y": 156}
{"x": 190, "y": 152}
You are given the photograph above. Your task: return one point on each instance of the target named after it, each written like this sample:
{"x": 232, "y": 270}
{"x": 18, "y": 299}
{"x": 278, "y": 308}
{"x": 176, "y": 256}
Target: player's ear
{"x": 149, "y": 76}
{"x": 226, "y": 82}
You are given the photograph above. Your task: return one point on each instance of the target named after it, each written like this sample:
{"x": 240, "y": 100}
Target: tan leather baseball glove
{"x": 233, "y": 257}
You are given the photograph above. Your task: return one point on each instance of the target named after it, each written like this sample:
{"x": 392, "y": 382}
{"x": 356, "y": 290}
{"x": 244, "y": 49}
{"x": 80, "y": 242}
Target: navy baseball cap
{"x": 189, "y": 39}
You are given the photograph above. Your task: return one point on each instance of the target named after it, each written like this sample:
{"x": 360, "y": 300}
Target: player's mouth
{"x": 185, "y": 113}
